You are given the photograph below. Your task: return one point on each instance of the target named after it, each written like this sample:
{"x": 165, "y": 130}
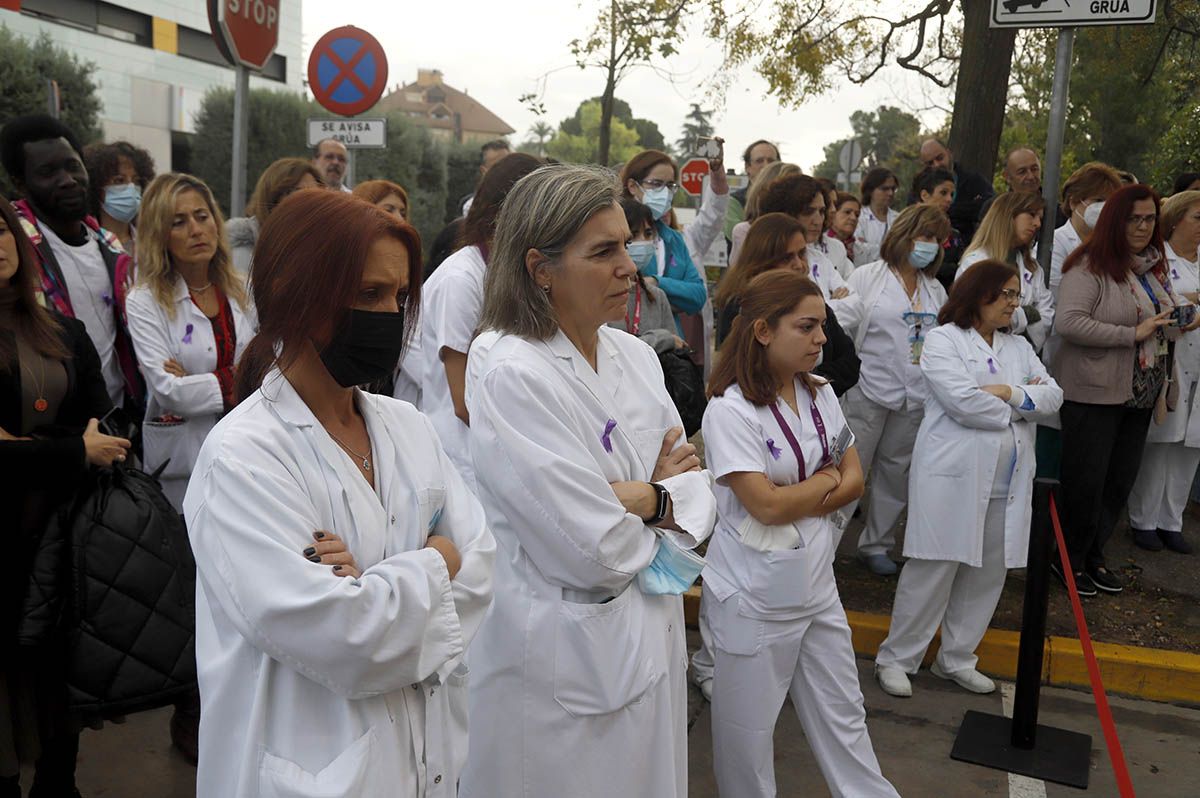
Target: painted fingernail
{"x": 310, "y": 551}
{"x": 315, "y": 558}
{"x": 337, "y": 568}
{"x": 318, "y": 535}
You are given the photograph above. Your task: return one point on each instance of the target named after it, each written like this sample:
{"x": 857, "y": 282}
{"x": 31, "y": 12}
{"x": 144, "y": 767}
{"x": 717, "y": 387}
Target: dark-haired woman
{"x": 784, "y": 460}
{"x": 648, "y": 311}
{"x": 343, "y": 564}
{"x": 51, "y": 394}
{"x": 1113, "y": 316}
{"x": 971, "y": 484}
{"x": 878, "y": 191}
{"x": 277, "y": 181}
{"x": 451, "y": 303}
{"x": 118, "y": 173}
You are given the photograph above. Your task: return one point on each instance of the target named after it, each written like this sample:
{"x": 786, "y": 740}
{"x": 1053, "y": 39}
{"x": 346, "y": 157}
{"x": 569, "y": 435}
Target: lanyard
{"x": 1149, "y": 291}
{"x": 637, "y": 312}
{"x": 791, "y": 437}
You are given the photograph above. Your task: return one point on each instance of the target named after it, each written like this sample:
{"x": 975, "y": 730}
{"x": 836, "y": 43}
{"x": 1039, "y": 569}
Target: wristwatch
{"x": 664, "y": 500}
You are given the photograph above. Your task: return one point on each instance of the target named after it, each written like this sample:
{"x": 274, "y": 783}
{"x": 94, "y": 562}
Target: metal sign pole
{"x": 1054, "y": 144}
{"x": 241, "y": 119}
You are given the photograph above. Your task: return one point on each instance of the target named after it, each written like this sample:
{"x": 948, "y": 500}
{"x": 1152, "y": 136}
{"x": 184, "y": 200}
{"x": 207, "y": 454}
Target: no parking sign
{"x": 347, "y": 71}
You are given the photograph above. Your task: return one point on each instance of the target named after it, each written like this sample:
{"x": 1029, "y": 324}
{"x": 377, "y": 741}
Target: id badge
{"x": 915, "y": 345}
{"x": 1161, "y": 348}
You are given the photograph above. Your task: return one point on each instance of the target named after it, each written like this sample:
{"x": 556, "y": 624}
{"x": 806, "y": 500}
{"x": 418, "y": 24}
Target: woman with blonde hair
{"x": 900, "y": 302}
{"x": 1008, "y": 233}
{"x": 1172, "y": 453}
{"x": 389, "y": 197}
{"x": 277, "y": 181}
{"x": 189, "y": 318}
{"x": 769, "y": 174}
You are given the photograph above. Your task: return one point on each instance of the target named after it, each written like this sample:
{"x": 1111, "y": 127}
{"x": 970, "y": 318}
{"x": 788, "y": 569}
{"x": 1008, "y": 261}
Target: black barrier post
{"x": 1021, "y": 745}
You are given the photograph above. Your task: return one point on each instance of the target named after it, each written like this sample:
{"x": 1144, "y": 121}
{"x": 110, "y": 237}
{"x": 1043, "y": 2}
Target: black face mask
{"x": 367, "y": 347}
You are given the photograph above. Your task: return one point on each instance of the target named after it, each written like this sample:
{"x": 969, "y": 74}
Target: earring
{"x": 546, "y": 288}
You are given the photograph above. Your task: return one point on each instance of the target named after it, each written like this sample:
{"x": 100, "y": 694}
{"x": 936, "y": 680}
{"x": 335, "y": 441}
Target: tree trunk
{"x": 981, "y": 94}
{"x": 610, "y": 88}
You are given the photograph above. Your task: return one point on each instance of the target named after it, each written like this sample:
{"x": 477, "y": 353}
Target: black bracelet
{"x": 664, "y": 499}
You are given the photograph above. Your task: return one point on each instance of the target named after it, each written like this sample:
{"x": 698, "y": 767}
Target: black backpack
{"x": 685, "y": 385}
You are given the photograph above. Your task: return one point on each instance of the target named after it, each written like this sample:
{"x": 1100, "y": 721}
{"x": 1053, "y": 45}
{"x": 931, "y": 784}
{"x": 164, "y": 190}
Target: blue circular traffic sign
{"x": 347, "y": 71}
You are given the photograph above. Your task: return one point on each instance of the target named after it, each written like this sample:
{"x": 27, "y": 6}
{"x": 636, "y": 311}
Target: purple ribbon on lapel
{"x": 815, "y": 273}
{"x": 1028, "y": 277}
{"x": 991, "y": 365}
{"x": 606, "y": 436}
{"x": 773, "y": 449}
{"x": 1174, "y": 274}
{"x": 187, "y": 334}
{"x": 107, "y": 297}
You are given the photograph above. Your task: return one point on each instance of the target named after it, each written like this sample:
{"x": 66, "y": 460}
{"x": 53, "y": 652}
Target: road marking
{"x": 1019, "y": 786}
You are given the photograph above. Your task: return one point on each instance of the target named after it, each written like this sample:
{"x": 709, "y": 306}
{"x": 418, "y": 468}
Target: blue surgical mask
{"x": 924, "y": 253}
{"x": 672, "y": 571}
{"x": 642, "y": 255}
{"x": 121, "y": 202}
{"x": 658, "y": 200}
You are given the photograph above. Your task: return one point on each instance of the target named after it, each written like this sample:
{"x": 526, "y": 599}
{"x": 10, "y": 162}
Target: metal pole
{"x": 1054, "y": 144}
{"x": 53, "y": 103}
{"x": 348, "y": 178}
{"x": 241, "y": 102}
{"x": 1033, "y": 620}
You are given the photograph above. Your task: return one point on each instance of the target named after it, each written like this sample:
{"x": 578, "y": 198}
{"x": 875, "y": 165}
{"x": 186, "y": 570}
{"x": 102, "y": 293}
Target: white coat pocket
{"x": 600, "y": 664}
{"x": 780, "y": 583}
{"x": 350, "y": 773}
{"x": 176, "y": 443}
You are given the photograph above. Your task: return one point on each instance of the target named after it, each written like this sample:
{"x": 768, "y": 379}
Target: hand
{"x": 329, "y": 549}
{"x": 1151, "y": 326}
{"x": 1194, "y": 325}
{"x": 718, "y": 180}
{"x": 1192, "y": 296}
{"x": 100, "y": 449}
{"x": 679, "y": 342}
{"x": 651, "y": 281}
{"x": 838, "y": 293}
{"x": 678, "y": 461}
{"x": 1001, "y": 392}
{"x": 5, "y": 435}
{"x": 1034, "y": 381}
{"x": 445, "y": 547}
{"x": 174, "y": 368}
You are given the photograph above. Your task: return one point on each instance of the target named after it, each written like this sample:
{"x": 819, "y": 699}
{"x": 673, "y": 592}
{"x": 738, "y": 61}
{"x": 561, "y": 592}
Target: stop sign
{"x": 691, "y": 176}
{"x": 246, "y": 31}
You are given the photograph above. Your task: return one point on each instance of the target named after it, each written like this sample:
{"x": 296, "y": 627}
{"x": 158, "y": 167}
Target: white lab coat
{"x": 870, "y": 230}
{"x": 451, "y": 303}
{"x": 1033, "y": 292}
{"x": 1066, "y": 241}
{"x": 407, "y": 384}
{"x": 869, "y": 280}
{"x": 823, "y": 272}
{"x": 315, "y": 684}
{"x": 188, "y": 339}
{"x": 1182, "y": 423}
{"x": 958, "y": 445}
{"x": 578, "y": 683}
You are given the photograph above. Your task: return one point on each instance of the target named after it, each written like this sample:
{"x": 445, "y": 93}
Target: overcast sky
{"x": 498, "y": 51}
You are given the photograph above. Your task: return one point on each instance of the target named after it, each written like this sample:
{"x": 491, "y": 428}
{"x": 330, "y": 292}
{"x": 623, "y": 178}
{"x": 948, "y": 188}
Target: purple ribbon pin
{"x": 107, "y": 297}
{"x": 606, "y": 437}
{"x": 773, "y": 449}
{"x": 187, "y": 334}
{"x": 1174, "y": 274}
{"x": 1028, "y": 277}
{"x": 814, "y": 271}
{"x": 991, "y": 365}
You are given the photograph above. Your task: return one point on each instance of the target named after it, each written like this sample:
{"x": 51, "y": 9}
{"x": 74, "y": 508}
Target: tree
{"x": 627, "y": 33}
{"x": 539, "y": 134}
{"x": 696, "y": 125}
{"x": 649, "y": 136}
{"x": 414, "y": 160}
{"x": 889, "y": 137}
{"x": 24, "y": 69}
{"x": 584, "y": 147}
{"x": 277, "y": 128}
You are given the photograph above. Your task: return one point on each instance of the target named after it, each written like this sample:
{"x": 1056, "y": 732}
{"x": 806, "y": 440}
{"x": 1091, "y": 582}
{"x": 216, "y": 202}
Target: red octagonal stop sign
{"x": 246, "y": 31}
{"x": 691, "y": 176}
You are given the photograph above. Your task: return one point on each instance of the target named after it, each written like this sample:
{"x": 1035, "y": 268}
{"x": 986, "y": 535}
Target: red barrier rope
{"x": 1115, "y": 754}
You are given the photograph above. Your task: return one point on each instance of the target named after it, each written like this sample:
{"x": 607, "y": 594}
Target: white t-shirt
{"x": 743, "y": 437}
{"x": 91, "y": 294}
{"x": 451, "y": 303}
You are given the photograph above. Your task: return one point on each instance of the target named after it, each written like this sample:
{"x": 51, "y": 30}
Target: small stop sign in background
{"x": 247, "y": 31}
{"x": 691, "y": 176}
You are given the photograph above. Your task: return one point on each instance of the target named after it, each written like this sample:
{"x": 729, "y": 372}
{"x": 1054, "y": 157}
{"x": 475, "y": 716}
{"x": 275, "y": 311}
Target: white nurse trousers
{"x": 1164, "y": 482}
{"x": 884, "y": 440}
{"x": 959, "y": 597}
{"x": 811, "y": 658}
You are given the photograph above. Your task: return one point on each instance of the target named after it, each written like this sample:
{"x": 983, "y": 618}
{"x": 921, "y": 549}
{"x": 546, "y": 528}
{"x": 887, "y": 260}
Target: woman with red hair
{"x": 1114, "y": 316}
{"x": 343, "y": 565}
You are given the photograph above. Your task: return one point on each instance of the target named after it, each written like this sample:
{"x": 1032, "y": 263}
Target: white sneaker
{"x": 705, "y": 685}
{"x": 893, "y": 681}
{"x": 968, "y": 679}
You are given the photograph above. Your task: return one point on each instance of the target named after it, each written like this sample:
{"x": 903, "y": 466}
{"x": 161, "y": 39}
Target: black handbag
{"x": 113, "y": 586}
{"x": 685, "y": 385}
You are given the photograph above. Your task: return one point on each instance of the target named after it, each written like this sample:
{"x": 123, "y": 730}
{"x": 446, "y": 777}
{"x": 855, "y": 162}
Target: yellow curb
{"x": 1148, "y": 673}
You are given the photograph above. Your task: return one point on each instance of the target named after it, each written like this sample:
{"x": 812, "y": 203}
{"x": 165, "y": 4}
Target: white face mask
{"x": 1091, "y": 214}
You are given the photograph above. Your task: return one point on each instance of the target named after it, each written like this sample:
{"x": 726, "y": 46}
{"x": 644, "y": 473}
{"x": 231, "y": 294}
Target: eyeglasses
{"x": 1011, "y": 295}
{"x": 792, "y": 257}
{"x": 1139, "y": 221}
{"x": 653, "y": 183}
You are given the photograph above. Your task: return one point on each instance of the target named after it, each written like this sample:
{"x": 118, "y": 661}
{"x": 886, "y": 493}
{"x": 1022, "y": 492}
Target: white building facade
{"x": 155, "y": 59}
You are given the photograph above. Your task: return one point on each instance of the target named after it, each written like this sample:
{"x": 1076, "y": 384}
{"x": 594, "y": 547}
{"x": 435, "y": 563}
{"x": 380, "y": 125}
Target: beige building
{"x": 448, "y": 113}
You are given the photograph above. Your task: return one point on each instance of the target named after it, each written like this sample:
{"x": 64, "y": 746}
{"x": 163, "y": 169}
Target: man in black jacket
{"x": 1023, "y": 172}
{"x": 970, "y": 190}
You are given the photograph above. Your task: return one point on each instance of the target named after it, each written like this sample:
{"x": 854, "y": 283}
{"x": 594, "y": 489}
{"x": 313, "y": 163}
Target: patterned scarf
{"x": 1147, "y": 271}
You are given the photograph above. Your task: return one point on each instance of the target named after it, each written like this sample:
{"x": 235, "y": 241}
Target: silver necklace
{"x": 365, "y": 458}
{"x": 201, "y": 289}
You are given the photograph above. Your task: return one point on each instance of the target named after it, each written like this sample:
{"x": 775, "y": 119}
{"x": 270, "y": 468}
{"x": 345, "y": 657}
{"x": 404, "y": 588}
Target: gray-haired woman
{"x": 595, "y": 499}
